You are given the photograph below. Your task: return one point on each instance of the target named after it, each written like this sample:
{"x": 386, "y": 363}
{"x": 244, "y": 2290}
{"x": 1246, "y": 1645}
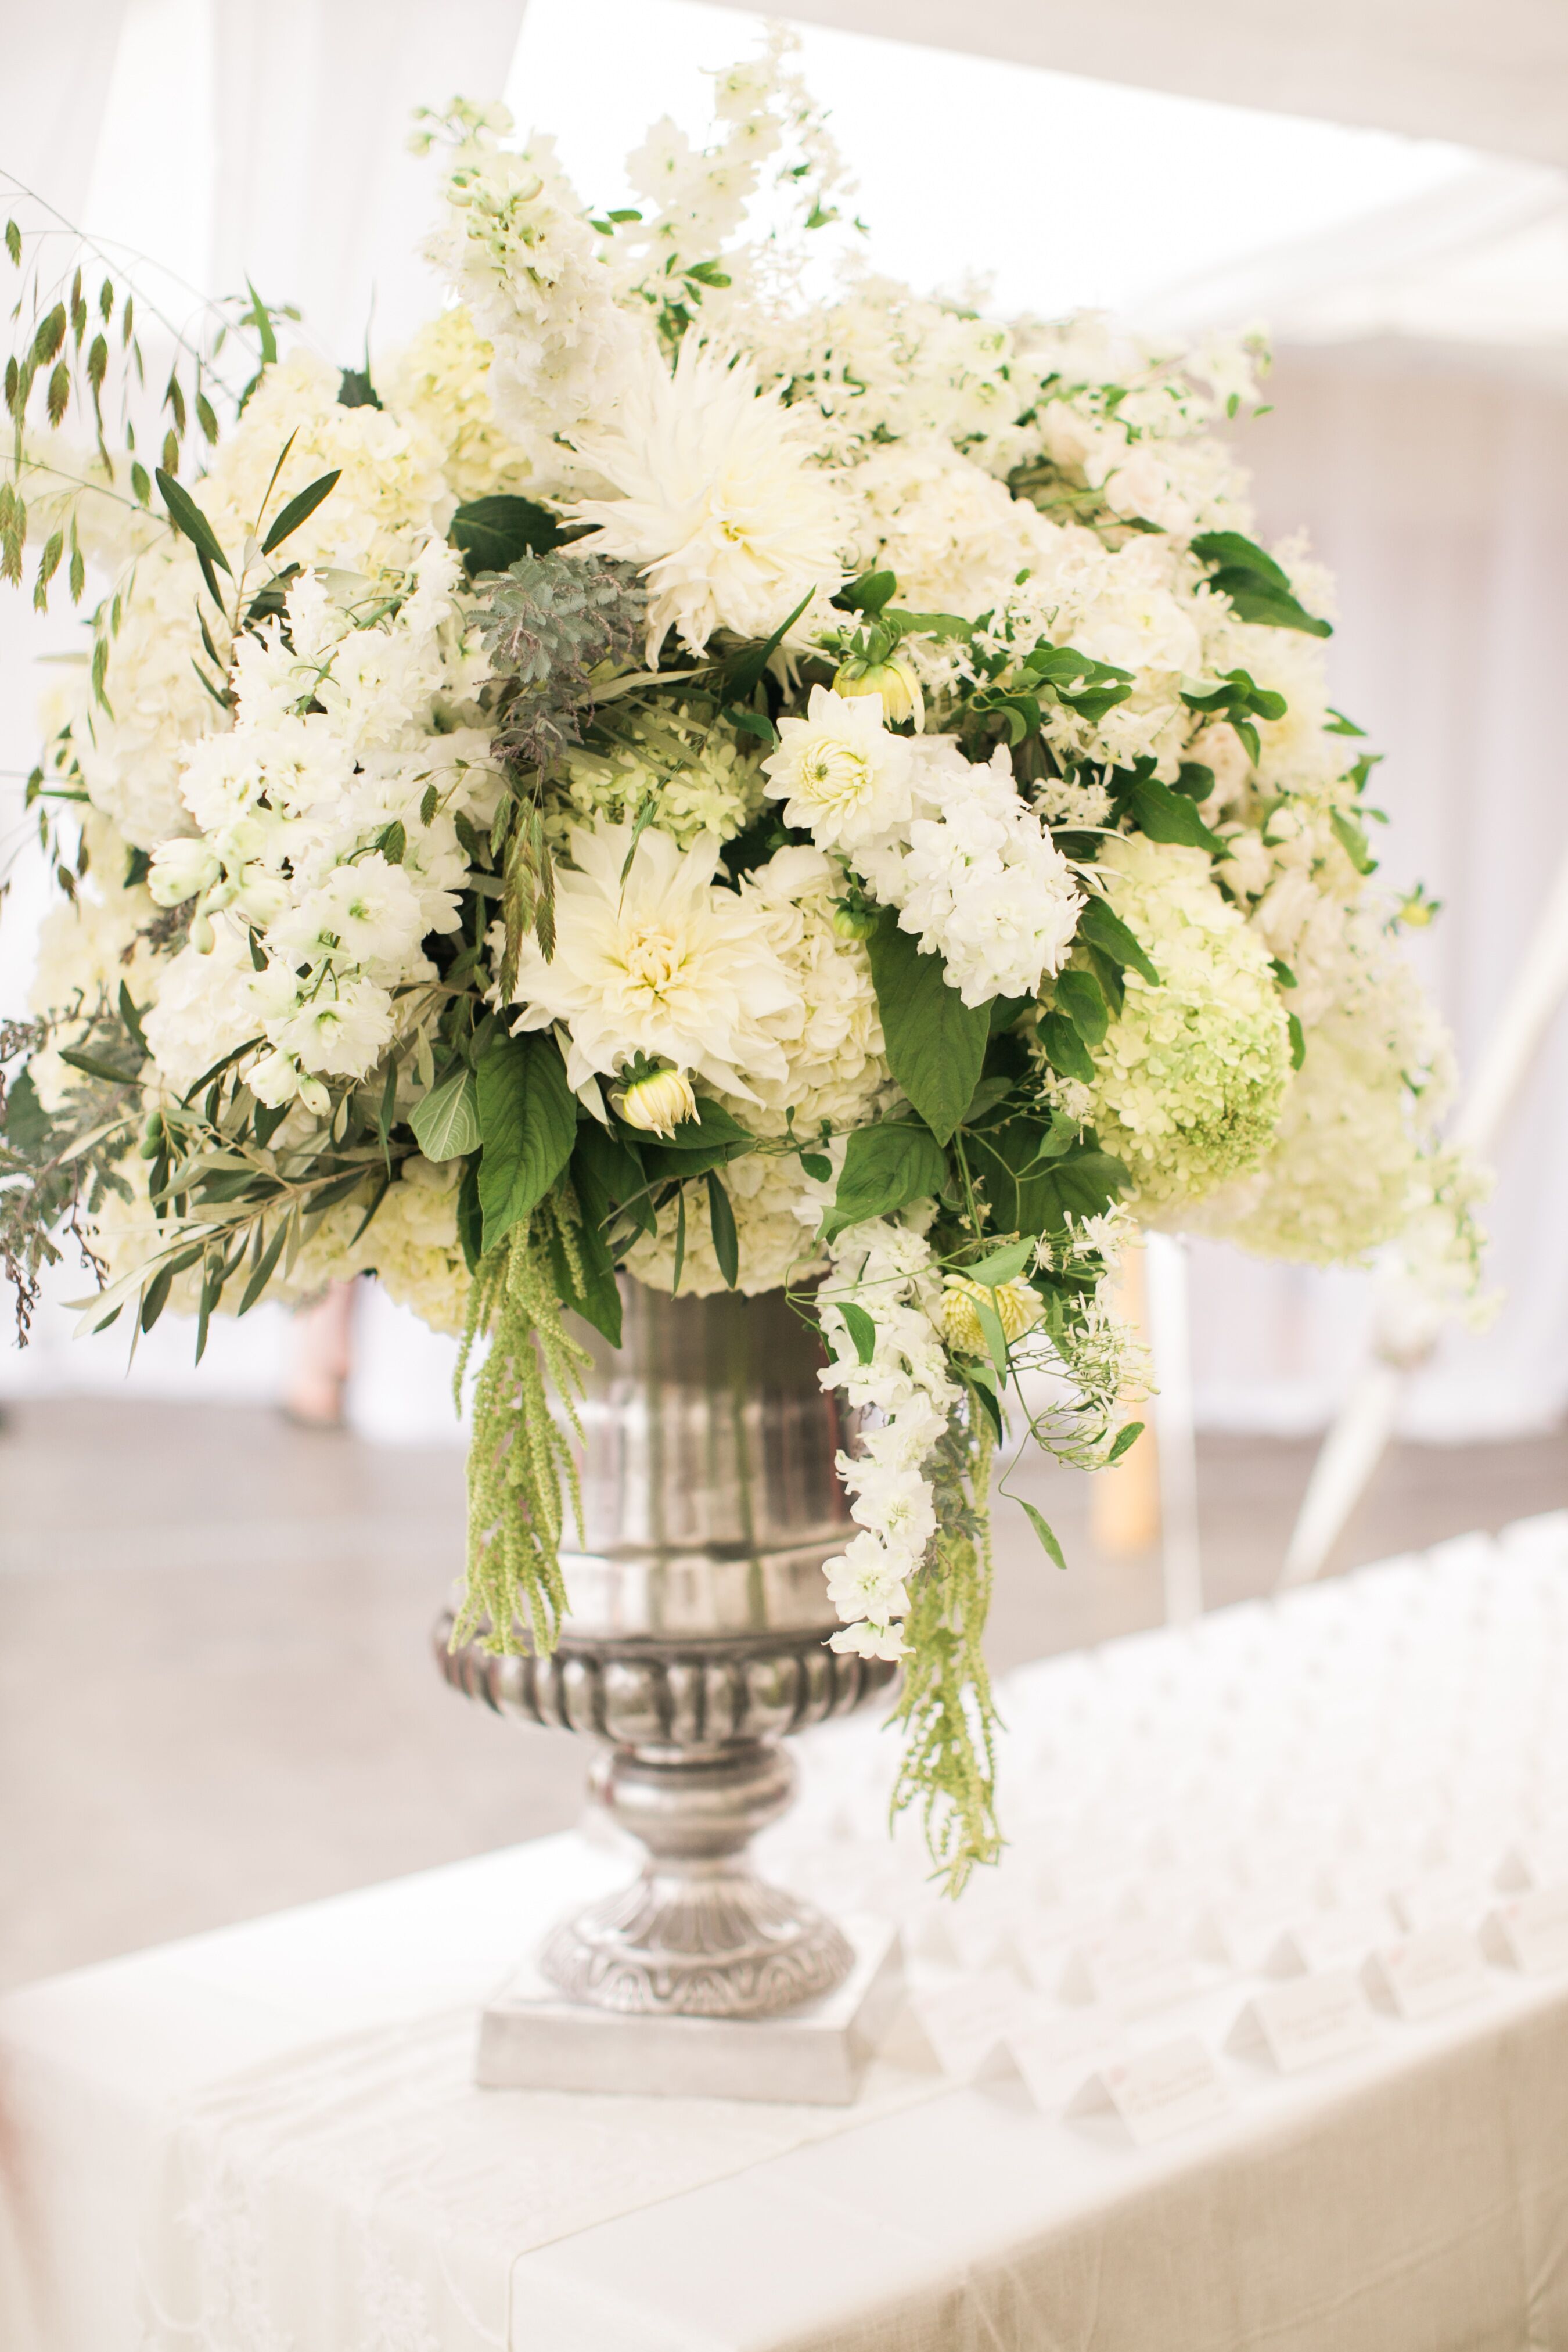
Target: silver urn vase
{"x": 696, "y": 1641}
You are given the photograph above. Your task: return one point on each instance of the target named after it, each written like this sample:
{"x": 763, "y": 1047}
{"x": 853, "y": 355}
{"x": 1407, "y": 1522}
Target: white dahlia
{"x": 839, "y": 774}
{"x": 662, "y": 964}
{"x": 720, "y": 508}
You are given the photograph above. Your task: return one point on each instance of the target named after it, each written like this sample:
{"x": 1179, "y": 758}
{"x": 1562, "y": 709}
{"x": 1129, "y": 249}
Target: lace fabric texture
{"x": 366, "y": 2197}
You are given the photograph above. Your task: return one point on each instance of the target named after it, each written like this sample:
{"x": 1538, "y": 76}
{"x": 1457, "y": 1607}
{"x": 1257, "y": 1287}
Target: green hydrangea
{"x": 702, "y": 773}
{"x": 1191, "y": 1077}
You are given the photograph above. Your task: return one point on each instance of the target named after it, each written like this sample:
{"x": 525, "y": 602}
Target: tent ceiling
{"x": 1493, "y": 76}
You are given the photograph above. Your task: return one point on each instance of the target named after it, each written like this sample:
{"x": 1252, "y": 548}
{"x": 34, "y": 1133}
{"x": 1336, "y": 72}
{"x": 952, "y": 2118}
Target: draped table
{"x": 1258, "y": 2037}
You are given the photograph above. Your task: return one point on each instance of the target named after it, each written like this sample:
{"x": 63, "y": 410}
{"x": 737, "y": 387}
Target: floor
{"x": 216, "y": 1697}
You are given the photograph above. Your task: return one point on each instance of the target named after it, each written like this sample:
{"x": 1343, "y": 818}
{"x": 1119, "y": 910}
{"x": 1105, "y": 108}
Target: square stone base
{"x": 530, "y": 2038}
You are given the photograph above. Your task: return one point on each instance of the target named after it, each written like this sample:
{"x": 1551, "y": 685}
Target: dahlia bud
{"x": 657, "y": 1102}
{"x": 1018, "y": 1308}
{"x": 895, "y": 681}
{"x": 852, "y": 920}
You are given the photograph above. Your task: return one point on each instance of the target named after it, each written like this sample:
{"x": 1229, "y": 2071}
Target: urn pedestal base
{"x": 531, "y": 2039}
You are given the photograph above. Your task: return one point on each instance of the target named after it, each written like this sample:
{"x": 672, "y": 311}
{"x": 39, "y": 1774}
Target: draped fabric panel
{"x": 1438, "y": 492}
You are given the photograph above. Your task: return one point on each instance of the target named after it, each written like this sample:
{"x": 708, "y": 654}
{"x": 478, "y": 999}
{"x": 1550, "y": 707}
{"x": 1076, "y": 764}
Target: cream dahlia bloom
{"x": 839, "y": 774}
{"x": 720, "y": 508}
{"x": 661, "y": 964}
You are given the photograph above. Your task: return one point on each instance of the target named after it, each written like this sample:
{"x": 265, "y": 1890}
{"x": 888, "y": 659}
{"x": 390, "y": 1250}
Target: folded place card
{"x": 1052, "y": 2057}
{"x": 962, "y": 2023}
{"x": 1530, "y": 1930}
{"x": 1320, "y": 1940}
{"x": 1160, "y": 2092}
{"x": 1240, "y": 1933}
{"x": 1438, "y": 1898}
{"x": 1430, "y": 1971}
{"x": 1535, "y": 1860}
{"x": 1131, "y": 1968}
{"x": 1306, "y": 2021}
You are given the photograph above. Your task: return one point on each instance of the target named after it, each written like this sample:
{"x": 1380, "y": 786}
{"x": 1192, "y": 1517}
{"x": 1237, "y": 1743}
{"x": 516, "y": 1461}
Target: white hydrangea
{"x": 831, "y": 1032}
{"x": 778, "y": 1209}
{"x": 981, "y": 884}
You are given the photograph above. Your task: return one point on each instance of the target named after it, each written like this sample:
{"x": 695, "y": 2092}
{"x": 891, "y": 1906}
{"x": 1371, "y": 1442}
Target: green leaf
{"x": 1238, "y": 553}
{"x": 528, "y": 1124}
{"x": 861, "y": 1329}
{"x": 936, "y": 1042}
{"x": 990, "y": 1328}
{"x": 496, "y": 533}
{"x": 261, "y": 319}
{"x": 1165, "y": 815}
{"x": 1064, "y": 1049}
{"x": 1088, "y": 1182}
{"x": 1352, "y": 841}
{"x": 981, "y": 1382}
{"x": 744, "y": 674}
{"x": 470, "y": 1217}
{"x": 188, "y": 517}
{"x": 93, "y": 1068}
{"x": 1079, "y": 996}
{"x": 132, "y": 1020}
{"x": 679, "y": 1240}
{"x": 598, "y": 1300}
{"x": 1124, "y": 1438}
{"x": 1005, "y": 1264}
{"x": 262, "y": 1274}
{"x": 1297, "y": 1039}
{"x": 1268, "y": 608}
{"x": 1104, "y": 929}
{"x": 885, "y": 1168}
{"x": 446, "y": 1123}
{"x": 355, "y": 390}
{"x": 722, "y": 1224}
{"x": 1042, "y": 1529}
{"x": 868, "y": 594}
{"x": 299, "y": 509}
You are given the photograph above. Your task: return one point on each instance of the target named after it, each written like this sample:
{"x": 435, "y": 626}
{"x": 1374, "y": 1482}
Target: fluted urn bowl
{"x": 696, "y": 1639}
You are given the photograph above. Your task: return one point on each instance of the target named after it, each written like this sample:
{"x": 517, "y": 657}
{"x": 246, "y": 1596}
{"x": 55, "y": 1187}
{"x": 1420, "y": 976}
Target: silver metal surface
{"x": 696, "y": 1639}
{"x": 530, "y": 2038}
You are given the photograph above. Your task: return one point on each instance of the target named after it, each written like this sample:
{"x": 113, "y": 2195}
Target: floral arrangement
{"x": 713, "y": 767}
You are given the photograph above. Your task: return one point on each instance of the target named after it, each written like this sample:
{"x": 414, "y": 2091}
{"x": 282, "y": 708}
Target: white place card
{"x": 1438, "y": 1898}
{"x": 1320, "y": 1940}
{"x": 962, "y": 2024}
{"x": 1240, "y": 1933}
{"x": 1535, "y": 1860}
{"x": 1160, "y": 2092}
{"x": 1531, "y": 1930}
{"x": 1132, "y": 1969}
{"x": 1306, "y": 2021}
{"x": 1427, "y": 1973}
{"x": 1051, "y": 2058}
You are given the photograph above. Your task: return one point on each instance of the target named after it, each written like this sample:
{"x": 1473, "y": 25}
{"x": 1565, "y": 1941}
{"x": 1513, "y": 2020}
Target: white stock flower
{"x": 340, "y": 1036}
{"x": 718, "y": 506}
{"x": 980, "y": 883}
{"x": 865, "y": 1581}
{"x": 364, "y": 916}
{"x": 663, "y": 963}
{"x": 838, "y": 772}
{"x": 180, "y": 870}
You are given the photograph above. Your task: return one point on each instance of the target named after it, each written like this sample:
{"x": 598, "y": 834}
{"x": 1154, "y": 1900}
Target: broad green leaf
{"x": 868, "y": 594}
{"x": 1079, "y": 996}
{"x": 712, "y": 1125}
{"x": 1064, "y": 1049}
{"x": 722, "y": 1226}
{"x": 1268, "y": 608}
{"x": 1124, "y": 1438}
{"x": 528, "y": 1124}
{"x": 1005, "y": 1264}
{"x": 1042, "y": 1529}
{"x": 446, "y": 1123}
{"x": 1238, "y": 553}
{"x": 981, "y": 1382}
{"x": 1104, "y": 929}
{"x": 1352, "y": 841}
{"x": 936, "y": 1042}
{"x": 598, "y": 1300}
{"x": 1165, "y": 815}
{"x": 861, "y": 1329}
{"x": 299, "y": 509}
{"x": 1088, "y": 1182}
{"x": 498, "y": 531}
{"x": 885, "y": 1168}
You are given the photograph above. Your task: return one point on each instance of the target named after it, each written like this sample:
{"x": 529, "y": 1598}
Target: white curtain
{"x": 1438, "y": 491}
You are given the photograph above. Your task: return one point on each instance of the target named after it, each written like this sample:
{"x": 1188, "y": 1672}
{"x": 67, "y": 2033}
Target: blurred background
{"x": 216, "y": 1694}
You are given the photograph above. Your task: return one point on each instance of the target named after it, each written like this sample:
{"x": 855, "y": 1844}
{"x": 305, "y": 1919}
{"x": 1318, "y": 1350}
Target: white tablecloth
{"x": 265, "y": 2140}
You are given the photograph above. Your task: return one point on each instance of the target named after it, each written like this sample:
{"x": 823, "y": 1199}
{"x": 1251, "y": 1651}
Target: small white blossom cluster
{"x": 908, "y": 1394}
{"x": 303, "y": 928}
